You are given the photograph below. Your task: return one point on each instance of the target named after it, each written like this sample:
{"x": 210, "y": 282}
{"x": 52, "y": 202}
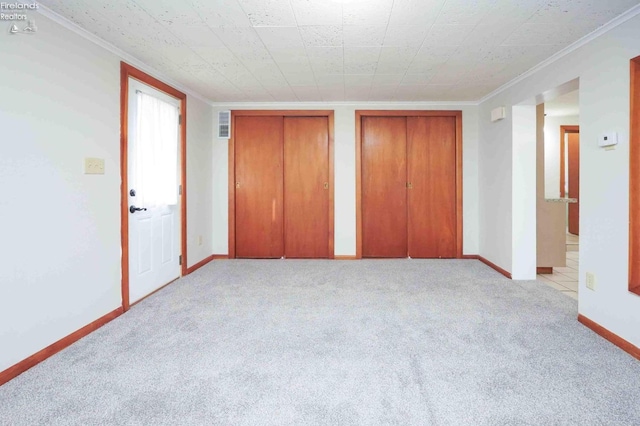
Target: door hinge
{"x": 179, "y": 189}
{"x": 180, "y": 260}
{"x": 180, "y": 119}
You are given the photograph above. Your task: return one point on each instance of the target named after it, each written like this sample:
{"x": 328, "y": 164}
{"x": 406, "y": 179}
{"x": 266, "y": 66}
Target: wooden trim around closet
{"x": 563, "y": 131}
{"x": 232, "y": 164}
{"x": 404, "y": 113}
{"x": 634, "y": 179}
{"x": 127, "y": 71}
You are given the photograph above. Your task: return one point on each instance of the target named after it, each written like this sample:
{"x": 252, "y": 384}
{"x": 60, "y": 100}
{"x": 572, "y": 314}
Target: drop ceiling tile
{"x": 447, "y": 35}
{"x": 361, "y": 35}
{"x": 463, "y": 12}
{"x": 331, "y": 94}
{"x": 469, "y": 91}
{"x": 398, "y": 54}
{"x": 423, "y": 67}
{"x": 356, "y": 93}
{"x": 221, "y": 13}
{"x": 446, "y": 74}
{"x": 170, "y": 12}
{"x": 324, "y": 53}
{"x": 415, "y": 12}
{"x": 489, "y": 35}
{"x": 361, "y": 60}
{"x": 196, "y": 35}
{"x": 387, "y": 79}
{"x": 283, "y": 94}
{"x": 321, "y": 35}
{"x": 295, "y": 66}
{"x": 126, "y": 14}
{"x": 306, "y": 93}
{"x": 300, "y": 79}
{"x": 509, "y": 12}
{"x": 417, "y": 79}
{"x": 257, "y": 53}
{"x": 234, "y": 37}
{"x": 435, "y": 54}
{"x": 285, "y": 53}
{"x": 269, "y": 13}
{"x": 280, "y": 37}
{"x": 405, "y": 36}
{"x": 358, "y": 81}
{"x": 317, "y": 12}
{"x": 538, "y": 34}
{"x": 432, "y": 92}
{"x": 366, "y": 12}
{"x": 330, "y": 80}
{"x": 383, "y": 93}
{"x": 327, "y": 67}
{"x": 263, "y": 68}
{"x": 392, "y": 67}
{"x": 563, "y": 11}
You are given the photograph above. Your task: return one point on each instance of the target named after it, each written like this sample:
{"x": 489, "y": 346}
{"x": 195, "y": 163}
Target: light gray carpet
{"x": 286, "y": 342}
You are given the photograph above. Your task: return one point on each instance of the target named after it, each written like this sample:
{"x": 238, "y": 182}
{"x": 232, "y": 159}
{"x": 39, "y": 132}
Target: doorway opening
{"x": 558, "y": 233}
{"x": 153, "y": 189}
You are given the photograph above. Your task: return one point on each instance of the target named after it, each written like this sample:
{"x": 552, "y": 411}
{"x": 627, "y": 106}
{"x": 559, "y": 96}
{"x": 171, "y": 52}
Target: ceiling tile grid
{"x": 341, "y": 50}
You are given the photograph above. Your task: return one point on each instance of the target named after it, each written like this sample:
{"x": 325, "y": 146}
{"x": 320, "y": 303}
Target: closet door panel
{"x": 431, "y": 152}
{"x": 259, "y": 186}
{"x": 384, "y": 193}
{"x": 306, "y": 199}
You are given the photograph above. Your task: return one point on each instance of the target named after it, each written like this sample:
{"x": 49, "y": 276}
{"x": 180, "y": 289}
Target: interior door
{"x": 573, "y": 154}
{"x": 306, "y": 187}
{"x": 431, "y": 171}
{"x": 153, "y": 164}
{"x": 384, "y": 180}
{"x": 259, "y": 186}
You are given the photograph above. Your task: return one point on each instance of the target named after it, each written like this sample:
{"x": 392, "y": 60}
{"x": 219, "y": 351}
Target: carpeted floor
{"x": 286, "y": 342}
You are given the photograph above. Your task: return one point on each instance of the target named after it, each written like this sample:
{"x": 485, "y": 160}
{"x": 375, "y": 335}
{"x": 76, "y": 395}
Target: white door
{"x": 153, "y": 178}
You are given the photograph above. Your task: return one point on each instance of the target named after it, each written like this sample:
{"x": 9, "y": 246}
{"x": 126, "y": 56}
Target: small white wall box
{"x": 498, "y": 113}
{"x": 608, "y": 139}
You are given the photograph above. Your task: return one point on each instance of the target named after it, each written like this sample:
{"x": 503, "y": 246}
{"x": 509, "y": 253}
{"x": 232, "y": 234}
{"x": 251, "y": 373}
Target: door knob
{"x": 326, "y": 185}
{"x": 134, "y": 209}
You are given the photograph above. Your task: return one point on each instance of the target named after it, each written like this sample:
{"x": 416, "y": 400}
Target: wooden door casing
{"x": 573, "y": 154}
{"x": 431, "y": 153}
{"x": 306, "y": 187}
{"x": 384, "y": 192}
{"x": 259, "y": 194}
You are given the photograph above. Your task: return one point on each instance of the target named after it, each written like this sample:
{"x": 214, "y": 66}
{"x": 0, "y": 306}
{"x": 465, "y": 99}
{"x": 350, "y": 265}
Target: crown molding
{"x": 330, "y": 104}
{"x": 619, "y": 20}
{"x": 130, "y": 59}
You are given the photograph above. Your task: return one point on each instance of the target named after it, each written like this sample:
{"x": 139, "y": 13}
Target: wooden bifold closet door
{"x": 282, "y": 187}
{"x": 259, "y": 187}
{"x": 409, "y": 186}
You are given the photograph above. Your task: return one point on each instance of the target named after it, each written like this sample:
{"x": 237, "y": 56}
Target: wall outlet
{"x": 199, "y": 240}
{"x": 591, "y": 281}
{"x": 93, "y": 166}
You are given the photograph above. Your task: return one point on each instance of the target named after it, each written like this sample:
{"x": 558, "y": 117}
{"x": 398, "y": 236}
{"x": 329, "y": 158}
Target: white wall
{"x": 552, "y": 152}
{"x": 345, "y": 172}
{"x": 199, "y": 180}
{"x": 60, "y": 229}
{"x": 603, "y": 68}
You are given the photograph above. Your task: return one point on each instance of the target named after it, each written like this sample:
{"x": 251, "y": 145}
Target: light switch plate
{"x": 93, "y": 166}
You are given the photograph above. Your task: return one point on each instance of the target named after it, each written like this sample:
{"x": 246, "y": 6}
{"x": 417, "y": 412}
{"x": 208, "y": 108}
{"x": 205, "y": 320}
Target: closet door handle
{"x": 409, "y": 185}
{"x": 326, "y": 185}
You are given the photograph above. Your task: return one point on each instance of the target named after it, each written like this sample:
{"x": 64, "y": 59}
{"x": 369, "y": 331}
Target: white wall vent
{"x": 224, "y": 124}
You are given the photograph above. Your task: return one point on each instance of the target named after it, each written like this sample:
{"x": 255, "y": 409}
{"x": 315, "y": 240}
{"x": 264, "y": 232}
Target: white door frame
{"x": 127, "y": 71}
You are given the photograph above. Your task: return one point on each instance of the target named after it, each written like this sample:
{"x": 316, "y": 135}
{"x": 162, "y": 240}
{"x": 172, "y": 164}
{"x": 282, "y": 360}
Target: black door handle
{"x": 134, "y": 209}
